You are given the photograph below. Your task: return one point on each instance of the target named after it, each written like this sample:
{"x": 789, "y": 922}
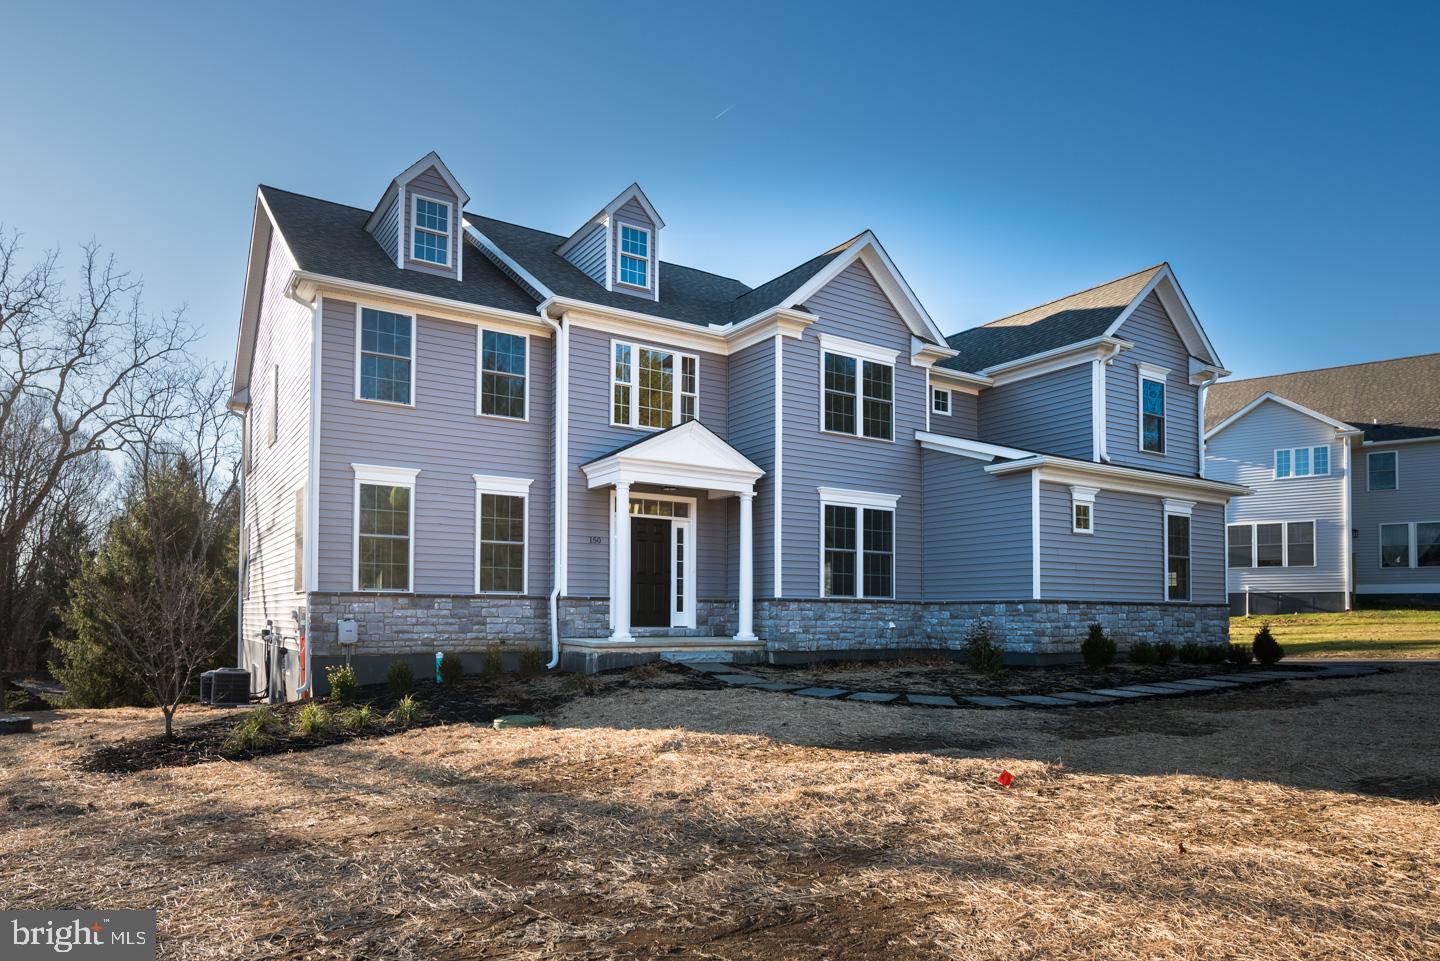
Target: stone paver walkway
{"x": 1190, "y": 687}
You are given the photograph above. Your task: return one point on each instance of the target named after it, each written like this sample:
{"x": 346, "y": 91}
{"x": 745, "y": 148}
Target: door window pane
{"x": 1178, "y": 544}
{"x": 1301, "y": 536}
{"x": 840, "y": 549}
{"x": 1269, "y": 545}
{"x": 1395, "y": 545}
{"x": 1240, "y": 552}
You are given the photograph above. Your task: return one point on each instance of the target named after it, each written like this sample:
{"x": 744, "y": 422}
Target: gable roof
{"x": 431, "y": 159}
{"x": 1283, "y": 402}
{"x": 632, "y": 192}
{"x": 1388, "y": 399}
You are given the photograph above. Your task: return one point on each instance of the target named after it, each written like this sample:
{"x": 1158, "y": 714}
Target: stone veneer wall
{"x": 411, "y": 623}
{"x": 590, "y": 617}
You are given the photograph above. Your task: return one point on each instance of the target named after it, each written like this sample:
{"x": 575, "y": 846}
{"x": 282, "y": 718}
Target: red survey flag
{"x": 1005, "y": 779}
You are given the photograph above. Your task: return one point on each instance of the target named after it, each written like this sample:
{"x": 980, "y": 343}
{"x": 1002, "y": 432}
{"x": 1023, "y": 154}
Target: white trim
{"x": 860, "y": 502}
{"x": 1153, "y": 371}
{"x": 677, "y": 393}
{"x": 858, "y": 349}
{"x": 690, "y": 455}
{"x": 960, "y": 381}
{"x": 480, "y": 332}
{"x": 620, "y": 255}
{"x": 448, "y": 234}
{"x": 478, "y": 238}
{"x": 1146, "y": 372}
{"x": 1310, "y": 450}
{"x": 1382, "y": 453}
{"x": 1035, "y": 579}
{"x": 1176, "y": 506}
{"x": 1434, "y": 438}
{"x": 861, "y": 354}
{"x": 935, "y": 393}
{"x": 312, "y": 490}
{"x": 1347, "y": 540}
{"x": 360, "y": 309}
{"x": 1082, "y": 497}
{"x": 969, "y": 448}
{"x": 379, "y": 476}
{"x": 1284, "y": 524}
{"x": 841, "y": 497}
{"x": 1056, "y": 358}
{"x": 501, "y": 486}
{"x": 778, "y": 556}
{"x": 1338, "y": 425}
{"x": 306, "y": 285}
{"x": 620, "y": 580}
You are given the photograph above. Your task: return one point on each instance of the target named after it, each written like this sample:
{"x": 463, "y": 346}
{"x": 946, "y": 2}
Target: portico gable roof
{"x": 687, "y": 455}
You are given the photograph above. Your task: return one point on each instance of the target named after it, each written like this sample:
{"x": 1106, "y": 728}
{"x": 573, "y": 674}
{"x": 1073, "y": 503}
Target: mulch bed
{"x": 475, "y": 700}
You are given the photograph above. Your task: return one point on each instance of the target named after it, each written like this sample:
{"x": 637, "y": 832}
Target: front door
{"x": 650, "y": 572}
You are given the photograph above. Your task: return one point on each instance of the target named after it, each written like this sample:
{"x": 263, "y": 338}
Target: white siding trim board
{"x": 779, "y": 479}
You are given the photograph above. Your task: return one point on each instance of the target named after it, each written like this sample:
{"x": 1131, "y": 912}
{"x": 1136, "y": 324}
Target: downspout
{"x": 559, "y": 511}
{"x": 1202, "y": 394}
{"x": 241, "y": 546}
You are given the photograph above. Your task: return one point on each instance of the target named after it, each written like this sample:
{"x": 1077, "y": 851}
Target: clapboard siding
{"x": 1049, "y": 413}
{"x": 1156, "y": 342}
{"x": 631, "y": 212}
{"x": 1207, "y": 554}
{"x": 430, "y": 184}
{"x": 852, "y": 306}
{"x": 387, "y": 228}
{"x": 592, "y": 436}
{"x": 278, "y": 470}
{"x": 964, "y": 418}
{"x": 977, "y": 531}
{"x": 589, "y": 254}
{"x": 445, "y": 439}
{"x": 1416, "y": 498}
{"x": 1244, "y": 453}
{"x": 752, "y": 433}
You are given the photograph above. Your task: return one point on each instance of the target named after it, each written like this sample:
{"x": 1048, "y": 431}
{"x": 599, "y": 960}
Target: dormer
{"x": 418, "y": 220}
{"x": 619, "y": 247}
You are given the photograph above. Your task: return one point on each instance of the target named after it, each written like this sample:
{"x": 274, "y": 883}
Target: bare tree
{"x": 80, "y": 375}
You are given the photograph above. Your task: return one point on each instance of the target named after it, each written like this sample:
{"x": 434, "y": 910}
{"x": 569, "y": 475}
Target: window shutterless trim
{"x": 378, "y": 476}
{"x": 1290, "y": 468}
{"x": 1382, "y": 453}
{"x": 621, "y": 255}
{"x": 1284, "y": 524}
{"x": 1082, "y": 497}
{"x": 860, "y": 502}
{"x": 1159, "y": 376}
{"x": 360, "y": 309}
{"x": 677, "y": 379}
{"x": 448, "y": 234}
{"x": 1412, "y": 534}
{"x": 861, "y": 354}
{"x": 480, "y": 333}
{"x": 501, "y": 486}
{"x": 935, "y": 394}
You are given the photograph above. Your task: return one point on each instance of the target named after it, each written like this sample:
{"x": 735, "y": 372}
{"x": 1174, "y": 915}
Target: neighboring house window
{"x": 1177, "y": 550}
{"x": 1082, "y": 509}
{"x": 1410, "y": 545}
{"x": 858, "y": 544}
{"x": 274, "y": 418}
{"x": 432, "y": 231}
{"x": 859, "y": 395}
{"x": 634, "y": 256}
{"x": 1384, "y": 470}
{"x": 387, "y": 356}
{"x": 645, "y": 392}
{"x": 1152, "y": 408}
{"x": 1394, "y": 545}
{"x": 1427, "y": 545}
{"x": 940, "y": 401}
{"x": 298, "y": 560}
{"x": 1281, "y": 544}
{"x": 384, "y": 528}
{"x": 503, "y": 369}
{"x": 1302, "y": 462}
{"x": 502, "y": 509}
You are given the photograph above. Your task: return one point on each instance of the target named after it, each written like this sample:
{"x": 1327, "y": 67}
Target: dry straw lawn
{"x": 740, "y": 824}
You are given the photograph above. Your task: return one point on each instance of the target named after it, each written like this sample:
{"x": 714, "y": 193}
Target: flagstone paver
{"x": 1040, "y": 700}
{"x": 1119, "y": 692}
{"x": 986, "y": 700}
{"x": 1154, "y": 689}
{"x": 1085, "y": 697}
{"x": 931, "y": 700}
{"x": 1205, "y": 684}
{"x": 743, "y": 679}
{"x": 874, "y": 696}
{"x": 823, "y": 692}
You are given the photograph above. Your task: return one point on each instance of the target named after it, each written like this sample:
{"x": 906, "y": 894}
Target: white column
{"x": 620, "y": 595}
{"x": 747, "y": 568}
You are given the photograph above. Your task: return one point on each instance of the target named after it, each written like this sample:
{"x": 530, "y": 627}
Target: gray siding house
{"x": 1345, "y": 466}
{"x": 463, "y": 433}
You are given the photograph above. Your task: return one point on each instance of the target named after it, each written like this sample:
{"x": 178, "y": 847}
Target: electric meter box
{"x": 349, "y": 632}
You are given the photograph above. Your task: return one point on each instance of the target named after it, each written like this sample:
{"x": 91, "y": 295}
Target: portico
{"x": 654, "y": 534}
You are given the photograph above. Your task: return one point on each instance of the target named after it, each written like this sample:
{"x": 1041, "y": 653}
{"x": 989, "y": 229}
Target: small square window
{"x": 940, "y": 401}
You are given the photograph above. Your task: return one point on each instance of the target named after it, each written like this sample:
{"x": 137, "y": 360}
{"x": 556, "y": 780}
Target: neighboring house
{"x": 1345, "y": 465}
{"x": 462, "y": 432}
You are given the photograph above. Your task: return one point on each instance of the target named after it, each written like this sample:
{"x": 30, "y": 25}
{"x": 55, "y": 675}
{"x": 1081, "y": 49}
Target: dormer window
{"x": 634, "y": 256}
{"x": 431, "y": 235}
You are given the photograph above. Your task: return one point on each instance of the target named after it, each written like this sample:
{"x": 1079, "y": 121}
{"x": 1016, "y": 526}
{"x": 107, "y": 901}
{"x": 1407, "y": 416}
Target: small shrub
{"x": 451, "y": 669}
{"x": 493, "y": 664}
{"x": 1097, "y": 649}
{"x": 343, "y": 684}
{"x": 1240, "y": 655}
{"x": 1143, "y": 652}
{"x": 356, "y": 720}
{"x": 404, "y": 713}
{"x": 981, "y": 649}
{"x": 1164, "y": 652}
{"x": 580, "y": 683}
{"x": 1216, "y": 653}
{"x": 17, "y": 700}
{"x": 312, "y": 721}
{"x": 1267, "y": 650}
{"x": 255, "y": 731}
{"x": 532, "y": 662}
{"x": 401, "y": 678}
{"x": 1192, "y": 653}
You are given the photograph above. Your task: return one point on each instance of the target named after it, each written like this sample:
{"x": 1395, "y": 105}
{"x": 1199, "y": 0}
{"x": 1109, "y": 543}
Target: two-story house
{"x": 461, "y": 432}
{"x": 1345, "y": 465}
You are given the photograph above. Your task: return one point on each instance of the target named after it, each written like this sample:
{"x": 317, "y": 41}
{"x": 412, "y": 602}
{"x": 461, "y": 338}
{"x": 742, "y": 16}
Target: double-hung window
{"x": 1177, "y": 550}
{"x": 1082, "y": 509}
{"x": 940, "y": 401}
{"x": 1152, "y": 408}
{"x": 858, "y": 382}
{"x": 1383, "y": 470}
{"x": 502, "y": 514}
{"x": 857, "y": 543}
{"x": 384, "y": 528}
{"x": 634, "y": 256}
{"x": 1410, "y": 544}
{"x": 503, "y": 374}
{"x": 387, "y": 356}
{"x": 646, "y": 389}
{"x": 1271, "y": 544}
{"x": 1302, "y": 462}
{"x": 430, "y": 240}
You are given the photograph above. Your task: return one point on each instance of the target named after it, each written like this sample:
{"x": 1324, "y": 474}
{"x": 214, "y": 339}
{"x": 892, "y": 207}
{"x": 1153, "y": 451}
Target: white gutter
{"x": 560, "y": 509}
{"x": 1153, "y": 478}
{"x": 1404, "y": 440}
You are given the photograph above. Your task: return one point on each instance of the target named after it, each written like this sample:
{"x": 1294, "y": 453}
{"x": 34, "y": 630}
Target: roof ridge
{"x": 1319, "y": 370}
{"x": 1075, "y": 293}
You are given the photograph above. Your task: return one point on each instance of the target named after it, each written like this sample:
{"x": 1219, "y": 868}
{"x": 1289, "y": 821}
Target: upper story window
{"x": 1152, "y": 408}
{"x": 859, "y": 388}
{"x": 1302, "y": 462}
{"x": 430, "y": 239}
{"x": 503, "y": 374}
{"x": 387, "y": 356}
{"x": 1383, "y": 469}
{"x": 646, "y": 390}
{"x": 940, "y": 401}
{"x": 634, "y": 256}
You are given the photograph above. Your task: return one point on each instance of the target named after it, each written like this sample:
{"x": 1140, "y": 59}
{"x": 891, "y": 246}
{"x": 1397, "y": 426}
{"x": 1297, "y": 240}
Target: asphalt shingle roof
{"x": 1387, "y": 399}
{"x": 1069, "y": 320}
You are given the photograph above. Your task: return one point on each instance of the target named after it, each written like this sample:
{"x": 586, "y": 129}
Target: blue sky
{"x": 1283, "y": 159}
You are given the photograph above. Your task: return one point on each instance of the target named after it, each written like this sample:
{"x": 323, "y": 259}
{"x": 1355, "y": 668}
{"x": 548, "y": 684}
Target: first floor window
{"x": 1410, "y": 545}
{"x": 859, "y": 396}
{"x": 502, "y": 374}
{"x": 1427, "y": 545}
{"x": 1269, "y": 545}
{"x": 1300, "y": 544}
{"x": 1177, "y": 549}
{"x": 1287, "y": 544}
{"x": 1394, "y": 545}
{"x": 1384, "y": 470}
{"x": 648, "y": 391}
{"x": 387, "y": 351}
{"x": 1239, "y": 551}
{"x": 1152, "y": 418}
{"x": 384, "y": 537}
{"x": 859, "y": 549}
{"x": 502, "y": 543}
